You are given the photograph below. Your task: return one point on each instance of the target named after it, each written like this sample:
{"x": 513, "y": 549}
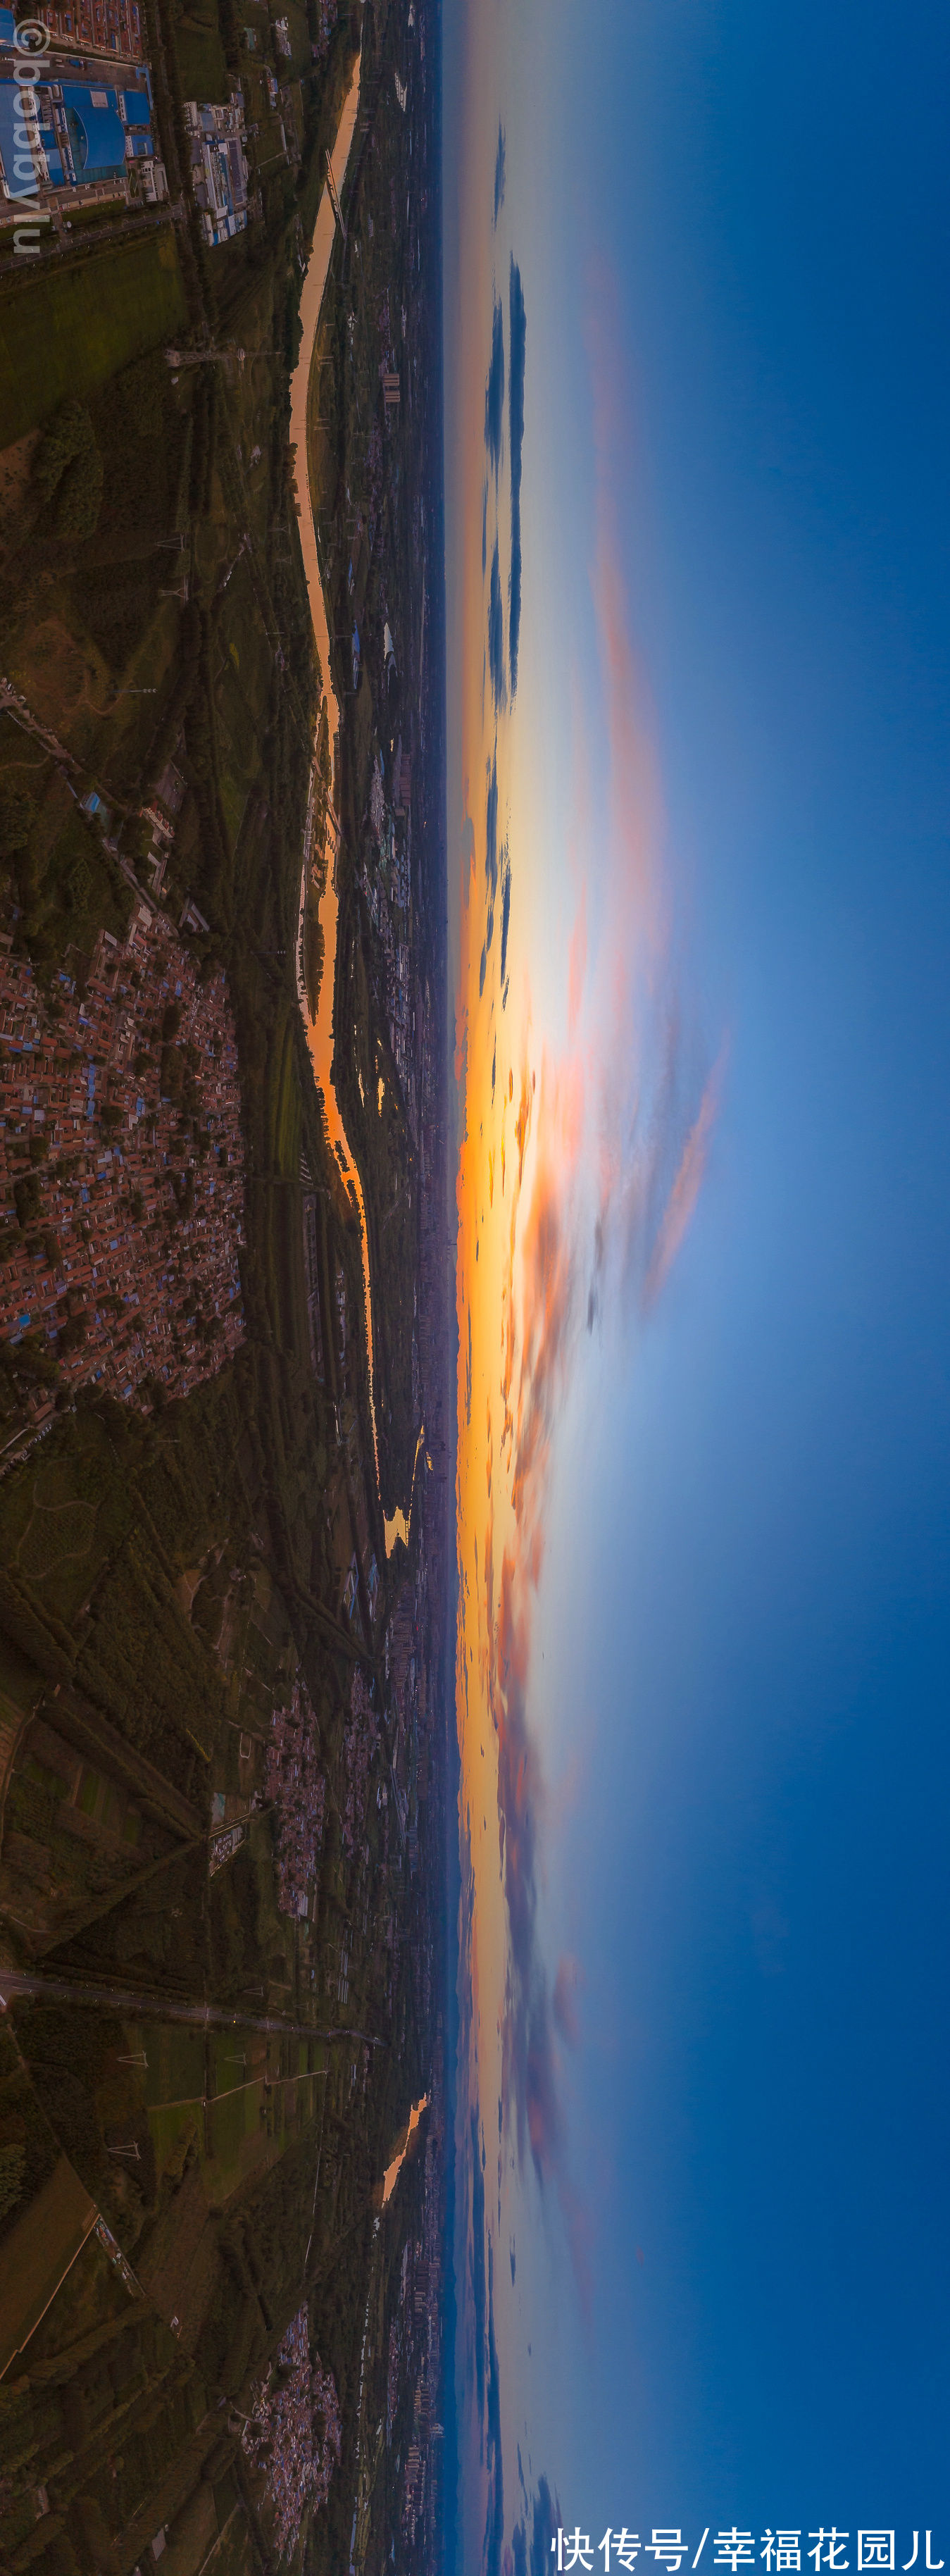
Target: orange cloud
{"x": 600, "y": 1156}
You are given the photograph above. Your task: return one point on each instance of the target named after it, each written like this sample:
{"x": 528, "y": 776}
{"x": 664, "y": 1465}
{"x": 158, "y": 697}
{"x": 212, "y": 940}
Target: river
{"x": 393, "y": 2170}
{"x": 319, "y": 1026}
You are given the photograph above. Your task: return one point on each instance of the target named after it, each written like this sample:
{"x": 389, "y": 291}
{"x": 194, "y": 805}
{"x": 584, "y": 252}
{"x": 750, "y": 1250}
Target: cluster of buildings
{"x": 219, "y": 174}
{"x": 77, "y": 130}
{"x": 222, "y": 1847}
{"x": 121, "y": 1166}
{"x": 326, "y": 21}
{"x": 74, "y": 132}
{"x": 415, "y": 2337}
{"x": 386, "y": 884}
{"x": 394, "y": 2360}
{"x": 100, "y": 26}
{"x": 359, "y": 1745}
{"x": 294, "y": 1785}
{"x": 294, "y": 2434}
{"x": 411, "y": 1708}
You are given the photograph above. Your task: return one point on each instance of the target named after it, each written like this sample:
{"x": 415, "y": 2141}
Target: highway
{"x": 132, "y": 2005}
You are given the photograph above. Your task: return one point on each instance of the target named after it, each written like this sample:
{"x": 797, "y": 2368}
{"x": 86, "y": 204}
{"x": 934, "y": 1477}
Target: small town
{"x": 294, "y": 2433}
{"x": 121, "y": 1167}
{"x": 295, "y": 1786}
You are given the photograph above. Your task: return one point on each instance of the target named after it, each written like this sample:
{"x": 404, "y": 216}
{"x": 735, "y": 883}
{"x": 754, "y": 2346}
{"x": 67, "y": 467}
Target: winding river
{"x": 319, "y": 1026}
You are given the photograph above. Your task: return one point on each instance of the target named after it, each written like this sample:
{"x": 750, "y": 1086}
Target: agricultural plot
{"x": 79, "y": 324}
{"x": 201, "y": 62}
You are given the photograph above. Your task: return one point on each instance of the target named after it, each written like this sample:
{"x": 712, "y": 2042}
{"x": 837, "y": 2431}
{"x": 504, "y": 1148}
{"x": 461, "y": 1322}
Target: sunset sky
{"x": 697, "y": 430}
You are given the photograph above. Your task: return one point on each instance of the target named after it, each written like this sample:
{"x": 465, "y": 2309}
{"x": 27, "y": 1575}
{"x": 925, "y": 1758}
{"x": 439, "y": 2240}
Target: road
{"x": 133, "y": 2006}
{"x": 58, "y": 244}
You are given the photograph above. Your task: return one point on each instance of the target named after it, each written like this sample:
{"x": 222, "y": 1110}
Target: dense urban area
{"x": 226, "y": 1490}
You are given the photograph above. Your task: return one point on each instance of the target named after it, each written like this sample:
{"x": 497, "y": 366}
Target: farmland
{"x": 224, "y": 1700}
{"x": 74, "y": 327}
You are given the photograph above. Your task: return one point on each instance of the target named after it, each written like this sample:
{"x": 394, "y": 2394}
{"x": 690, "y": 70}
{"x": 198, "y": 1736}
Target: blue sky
{"x": 738, "y": 1664}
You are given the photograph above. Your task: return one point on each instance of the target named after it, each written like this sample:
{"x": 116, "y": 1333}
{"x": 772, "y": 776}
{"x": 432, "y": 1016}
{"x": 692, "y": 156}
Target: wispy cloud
{"x": 495, "y": 389}
{"x": 567, "y": 1984}
{"x": 613, "y": 1140}
{"x": 499, "y": 176}
{"x": 533, "y": 2537}
{"x": 517, "y": 342}
{"x": 496, "y": 633}
{"x": 686, "y": 1187}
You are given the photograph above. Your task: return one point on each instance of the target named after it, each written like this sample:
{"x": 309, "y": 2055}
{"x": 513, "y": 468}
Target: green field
{"x": 234, "y": 2554}
{"x": 19, "y": 1684}
{"x": 76, "y": 326}
{"x": 232, "y": 2118}
{"x": 176, "y": 2062}
{"x": 201, "y": 63}
{"x": 168, "y": 2122}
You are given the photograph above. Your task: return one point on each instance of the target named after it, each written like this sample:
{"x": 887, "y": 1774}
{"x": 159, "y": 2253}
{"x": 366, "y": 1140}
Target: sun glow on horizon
{"x": 586, "y": 1110}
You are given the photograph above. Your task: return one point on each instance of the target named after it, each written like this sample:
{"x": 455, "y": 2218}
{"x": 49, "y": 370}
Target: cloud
{"x": 491, "y": 864}
{"x": 529, "y": 2083}
{"x": 495, "y": 2514}
{"x": 478, "y": 2288}
{"x": 537, "y": 1355}
{"x": 635, "y": 804}
{"x": 516, "y": 360}
{"x": 613, "y": 1140}
{"x": 564, "y": 1999}
{"x": 686, "y": 1187}
{"x": 505, "y": 907}
{"x": 549, "y": 1280}
{"x": 496, "y": 633}
{"x": 491, "y": 837}
{"x": 533, "y": 2536}
{"x": 499, "y": 175}
{"x": 578, "y": 1179}
{"x": 495, "y": 389}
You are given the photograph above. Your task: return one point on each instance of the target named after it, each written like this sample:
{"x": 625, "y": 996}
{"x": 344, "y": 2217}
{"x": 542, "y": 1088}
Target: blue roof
{"x": 96, "y": 134}
{"x": 141, "y": 146}
{"x": 13, "y": 144}
{"x": 138, "y": 106}
{"x": 7, "y": 26}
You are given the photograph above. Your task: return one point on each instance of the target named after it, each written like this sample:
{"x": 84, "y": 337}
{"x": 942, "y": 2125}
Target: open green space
{"x": 77, "y": 325}
{"x": 169, "y": 2123}
{"x": 201, "y": 63}
{"x": 176, "y": 2060}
